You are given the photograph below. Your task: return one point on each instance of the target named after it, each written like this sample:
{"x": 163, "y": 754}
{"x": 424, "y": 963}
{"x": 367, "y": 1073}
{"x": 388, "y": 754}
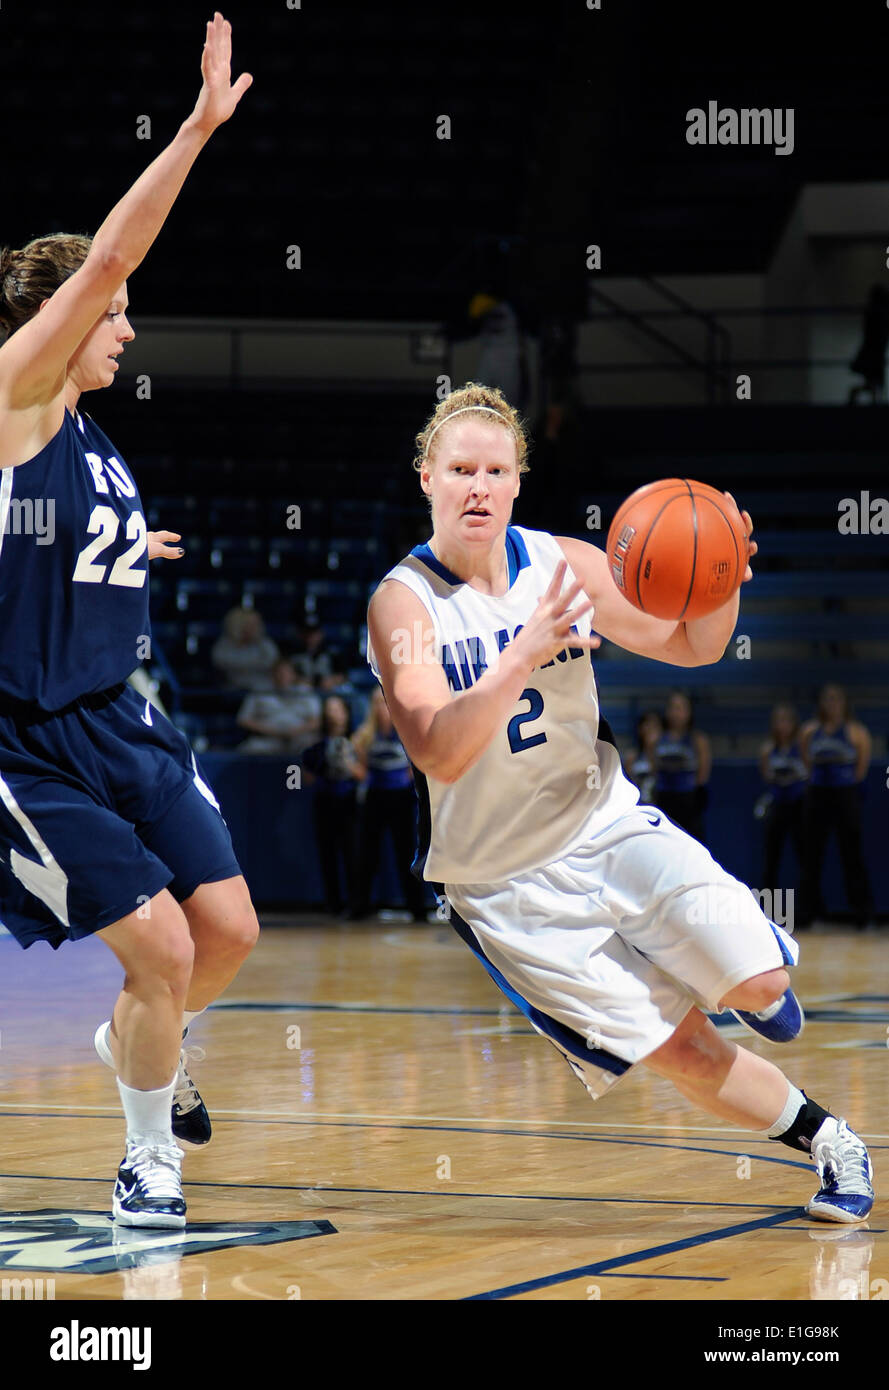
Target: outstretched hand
{"x": 549, "y": 629}
{"x": 218, "y": 98}
{"x": 160, "y": 545}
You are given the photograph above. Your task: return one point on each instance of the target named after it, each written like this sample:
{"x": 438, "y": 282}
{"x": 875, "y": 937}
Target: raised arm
{"x": 33, "y": 361}
{"x": 445, "y": 734}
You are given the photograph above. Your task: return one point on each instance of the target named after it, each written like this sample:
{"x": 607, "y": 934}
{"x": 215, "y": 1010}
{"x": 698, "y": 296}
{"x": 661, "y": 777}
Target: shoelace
{"x": 158, "y": 1168}
{"x": 842, "y": 1160}
{"x": 185, "y": 1096}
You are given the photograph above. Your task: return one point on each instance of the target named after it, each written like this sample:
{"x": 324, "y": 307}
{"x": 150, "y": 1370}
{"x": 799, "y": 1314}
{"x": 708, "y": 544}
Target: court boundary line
{"x": 816, "y": 1010}
{"x": 325, "y": 1117}
{"x": 427, "y": 1192}
{"x": 603, "y": 1267}
{"x": 632, "y": 1142}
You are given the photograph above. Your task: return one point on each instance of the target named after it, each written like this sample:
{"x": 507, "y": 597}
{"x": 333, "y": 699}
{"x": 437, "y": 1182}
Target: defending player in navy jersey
{"x": 106, "y": 824}
{"x": 610, "y": 928}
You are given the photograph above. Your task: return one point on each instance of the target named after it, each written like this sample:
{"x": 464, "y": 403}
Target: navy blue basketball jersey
{"x": 677, "y": 763}
{"x": 834, "y": 758}
{"x": 73, "y": 570}
{"x": 789, "y": 775}
{"x": 388, "y": 766}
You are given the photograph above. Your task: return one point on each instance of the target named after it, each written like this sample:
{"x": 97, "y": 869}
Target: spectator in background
{"x": 286, "y": 719}
{"x": 640, "y": 762}
{"x": 501, "y": 358}
{"x": 557, "y": 435}
{"x": 836, "y": 749}
{"x": 245, "y": 654}
{"x": 683, "y": 763}
{"x": 784, "y": 772}
{"x": 390, "y": 805}
{"x": 314, "y": 656}
{"x": 336, "y": 770}
{"x": 558, "y": 370}
{"x": 870, "y": 361}
{"x": 338, "y": 682}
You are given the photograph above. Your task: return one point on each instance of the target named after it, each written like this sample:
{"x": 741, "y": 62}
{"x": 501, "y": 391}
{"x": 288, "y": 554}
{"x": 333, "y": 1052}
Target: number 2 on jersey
{"x": 518, "y": 741}
{"x": 106, "y": 522}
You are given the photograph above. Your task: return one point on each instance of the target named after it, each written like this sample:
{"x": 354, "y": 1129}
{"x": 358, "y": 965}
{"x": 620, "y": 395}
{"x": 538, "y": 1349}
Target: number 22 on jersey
{"x": 104, "y": 524}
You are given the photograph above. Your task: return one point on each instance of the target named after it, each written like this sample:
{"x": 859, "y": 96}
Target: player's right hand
{"x": 548, "y": 630}
{"x": 218, "y": 98}
{"x": 161, "y": 547}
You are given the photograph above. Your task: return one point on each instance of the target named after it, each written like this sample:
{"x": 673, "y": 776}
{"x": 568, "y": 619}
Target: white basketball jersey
{"x": 549, "y": 780}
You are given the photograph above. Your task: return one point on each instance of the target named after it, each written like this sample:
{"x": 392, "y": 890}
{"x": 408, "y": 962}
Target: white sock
{"x": 148, "y": 1113}
{"x": 795, "y": 1100}
{"x": 189, "y": 1016}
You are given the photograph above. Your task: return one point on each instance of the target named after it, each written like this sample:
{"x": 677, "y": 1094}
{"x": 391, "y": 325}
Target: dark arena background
{"x": 571, "y": 202}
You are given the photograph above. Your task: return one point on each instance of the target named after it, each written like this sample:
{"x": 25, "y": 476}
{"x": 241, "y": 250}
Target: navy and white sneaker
{"x": 781, "y": 1022}
{"x": 148, "y": 1191}
{"x": 844, "y": 1168}
{"x": 188, "y": 1116}
{"x": 190, "y": 1120}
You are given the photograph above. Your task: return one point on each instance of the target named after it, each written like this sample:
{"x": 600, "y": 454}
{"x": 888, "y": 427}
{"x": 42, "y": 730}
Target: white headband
{"x": 462, "y": 411}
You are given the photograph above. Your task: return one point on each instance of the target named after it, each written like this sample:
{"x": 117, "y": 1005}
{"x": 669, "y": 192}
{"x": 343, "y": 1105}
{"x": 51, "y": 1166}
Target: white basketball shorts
{"x": 606, "y": 950}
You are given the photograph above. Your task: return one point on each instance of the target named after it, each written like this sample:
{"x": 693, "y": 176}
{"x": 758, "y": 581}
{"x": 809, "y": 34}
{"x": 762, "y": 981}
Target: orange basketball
{"x": 676, "y": 549}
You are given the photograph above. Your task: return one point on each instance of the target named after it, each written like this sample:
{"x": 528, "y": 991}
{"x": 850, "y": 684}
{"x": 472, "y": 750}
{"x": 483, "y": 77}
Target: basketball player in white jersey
{"x": 611, "y": 929}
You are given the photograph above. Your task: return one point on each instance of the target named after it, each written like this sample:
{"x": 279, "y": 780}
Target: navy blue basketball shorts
{"x": 102, "y": 805}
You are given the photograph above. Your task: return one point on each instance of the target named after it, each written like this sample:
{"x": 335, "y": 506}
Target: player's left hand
{"x": 752, "y": 547}
{"x": 160, "y": 545}
{"x": 218, "y": 96}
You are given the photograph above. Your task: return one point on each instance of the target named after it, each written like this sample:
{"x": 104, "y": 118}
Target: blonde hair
{"x": 33, "y": 274}
{"x": 369, "y": 727}
{"x": 235, "y": 620}
{"x": 485, "y": 399}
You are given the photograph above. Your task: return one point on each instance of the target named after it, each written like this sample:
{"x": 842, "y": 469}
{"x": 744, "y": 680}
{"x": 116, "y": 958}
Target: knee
{"x": 163, "y": 956}
{"x": 242, "y": 932}
{"x": 226, "y": 929}
{"x": 759, "y": 992}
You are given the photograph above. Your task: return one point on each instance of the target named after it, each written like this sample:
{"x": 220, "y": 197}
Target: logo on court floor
{"x": 89, "y": 1242}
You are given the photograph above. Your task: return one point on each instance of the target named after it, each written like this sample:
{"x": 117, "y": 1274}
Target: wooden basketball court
{"x": 387, "y": 1126}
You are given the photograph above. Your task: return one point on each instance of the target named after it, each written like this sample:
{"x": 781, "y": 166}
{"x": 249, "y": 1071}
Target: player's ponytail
{"x": 7, "y": 285}
{"x": 33, "y": 274}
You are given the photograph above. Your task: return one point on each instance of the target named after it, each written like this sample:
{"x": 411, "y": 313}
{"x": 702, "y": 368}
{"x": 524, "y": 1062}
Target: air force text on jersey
{"x": 464, "y": 659}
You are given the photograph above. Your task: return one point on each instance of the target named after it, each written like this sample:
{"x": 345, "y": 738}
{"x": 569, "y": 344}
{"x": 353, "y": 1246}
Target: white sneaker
{"x": 844, "y": 1168}
{"x": 148, "y": 1191}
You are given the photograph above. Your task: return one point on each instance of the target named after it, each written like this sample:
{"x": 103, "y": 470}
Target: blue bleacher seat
{"x": 815, "y": 627}
{"x": 206, "y": 599}
{"x": 620, "y": 672}
{"x": 172, "y": 512}
{"x": 824, "y": 584}
{"x": 235, "y": 554}
{"x": 294, "y": 555}
{"x": 277, "y": 600}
